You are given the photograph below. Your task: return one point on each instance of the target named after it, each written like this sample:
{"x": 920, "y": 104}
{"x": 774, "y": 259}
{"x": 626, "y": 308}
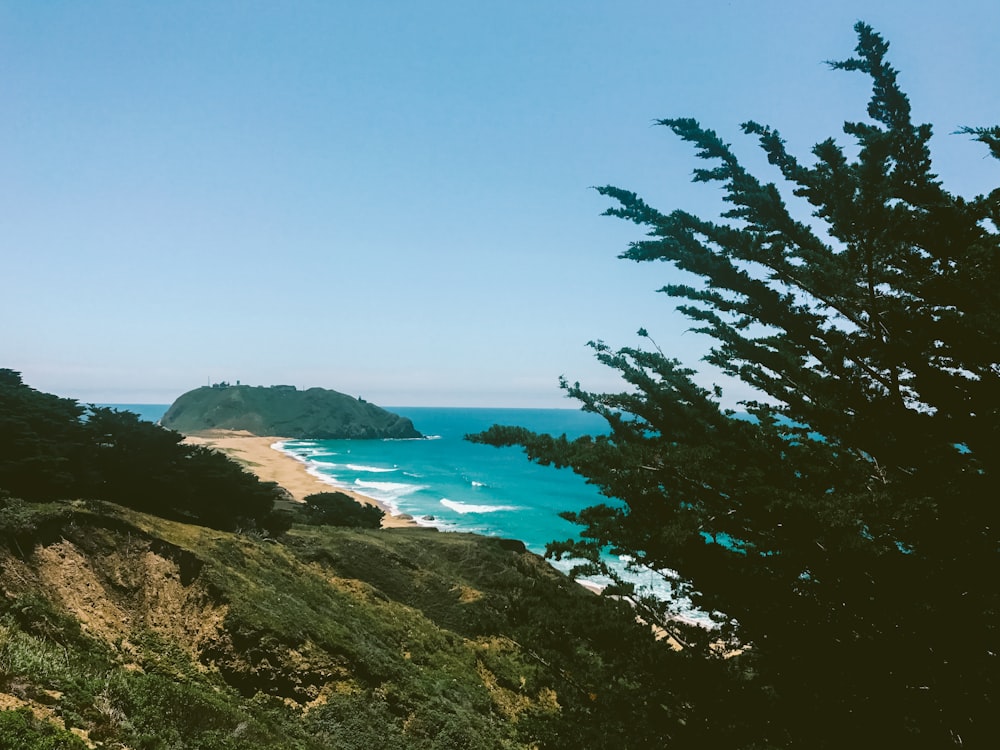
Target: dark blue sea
{"x": 451, "y": 484}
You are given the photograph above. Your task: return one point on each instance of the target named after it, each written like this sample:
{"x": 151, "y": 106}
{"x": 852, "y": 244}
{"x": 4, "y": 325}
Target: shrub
{"x": 338, "y": 509}
{"x": 20, "y": 730}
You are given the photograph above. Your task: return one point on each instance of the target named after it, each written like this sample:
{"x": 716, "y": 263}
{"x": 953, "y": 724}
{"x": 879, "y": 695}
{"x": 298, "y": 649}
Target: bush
{"x": 20, "y": 730}
{"x": 338, "y": 509}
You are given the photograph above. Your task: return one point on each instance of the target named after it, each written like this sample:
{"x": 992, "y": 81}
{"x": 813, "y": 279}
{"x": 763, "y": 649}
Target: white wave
{"x": 386, "y": 499}
{"x": 283, "y": 448}
{"x": 325, "y": 478}
{"x": 296, "y": 446}
{"x": 304, "y": 454}
{"x": 387, "y": 486}
{"x": 387, "y": 491}
{"x": 647, "y": 582}
{"x": 311, "y": 464}
{"x": 370, "y": 469}
{"x": 470, "y": 508}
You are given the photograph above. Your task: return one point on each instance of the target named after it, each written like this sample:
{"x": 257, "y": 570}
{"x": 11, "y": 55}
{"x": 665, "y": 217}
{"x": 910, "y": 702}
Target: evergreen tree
{"x": 340, "y": 509}
{"x": 54, "y": 448}
{"x": 850, "y": 528}
{"x": 145, "y": 466}
{"x": 42, "y": 441}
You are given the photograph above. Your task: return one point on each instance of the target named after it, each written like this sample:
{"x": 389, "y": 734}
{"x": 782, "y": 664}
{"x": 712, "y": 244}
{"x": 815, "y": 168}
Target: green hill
{"x": 284, "y": 411}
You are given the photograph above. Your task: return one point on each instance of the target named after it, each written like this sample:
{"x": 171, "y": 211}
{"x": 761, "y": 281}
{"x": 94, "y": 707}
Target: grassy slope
{"x": 145, "y": 633}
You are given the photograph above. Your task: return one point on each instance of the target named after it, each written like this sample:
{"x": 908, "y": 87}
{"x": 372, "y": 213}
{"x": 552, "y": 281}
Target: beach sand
{"x": 256, "y": 454}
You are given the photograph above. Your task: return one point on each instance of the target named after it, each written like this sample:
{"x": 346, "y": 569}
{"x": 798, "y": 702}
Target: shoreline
{"x": 258, "y": 455}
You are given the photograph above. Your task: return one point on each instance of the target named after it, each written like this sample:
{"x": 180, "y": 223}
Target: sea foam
{"x": 370, "y": 469}
{"x": 389, "y": 491}
{"x": 470, "y": 508}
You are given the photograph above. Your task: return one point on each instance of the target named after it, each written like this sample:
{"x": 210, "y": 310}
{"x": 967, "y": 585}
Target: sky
{"x": 394, "y": 199}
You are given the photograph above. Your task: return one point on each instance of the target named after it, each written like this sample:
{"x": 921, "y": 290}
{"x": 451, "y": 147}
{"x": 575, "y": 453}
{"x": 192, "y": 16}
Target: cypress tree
{"x": 849, "y": 528}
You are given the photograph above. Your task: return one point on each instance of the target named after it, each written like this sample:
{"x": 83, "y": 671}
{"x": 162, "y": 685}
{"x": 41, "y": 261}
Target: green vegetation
{"x": 338, "y": 509}
{"x": 284, "y": 411}
{"x": 151, "y": 633}
{"x": 20, "y": 730}
{"x": 849, "y": 529}
{"x": 125, "y": 622}
{"x": 53, "y": 448}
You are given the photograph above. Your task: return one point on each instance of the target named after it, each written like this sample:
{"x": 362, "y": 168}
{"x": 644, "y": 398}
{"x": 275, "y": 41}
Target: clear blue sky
{"x": 392, "y": 199}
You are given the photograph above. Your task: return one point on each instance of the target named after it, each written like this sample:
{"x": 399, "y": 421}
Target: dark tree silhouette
{"x": 850, "y": 527}
{"x": 54, "y": 448}
{"x": 340, "y": 509}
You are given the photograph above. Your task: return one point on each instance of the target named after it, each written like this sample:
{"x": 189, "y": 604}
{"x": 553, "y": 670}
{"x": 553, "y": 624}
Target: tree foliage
{"x": 54, "y": 448}
{"x": 340, "y": 509}
{"x": 41, "y": 440}
{"x": 20, "y": 730}
{"x": 847, "y": 528}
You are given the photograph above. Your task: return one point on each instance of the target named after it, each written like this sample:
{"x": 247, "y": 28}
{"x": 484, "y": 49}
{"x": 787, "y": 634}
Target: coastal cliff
{"x": 316, "y": 413}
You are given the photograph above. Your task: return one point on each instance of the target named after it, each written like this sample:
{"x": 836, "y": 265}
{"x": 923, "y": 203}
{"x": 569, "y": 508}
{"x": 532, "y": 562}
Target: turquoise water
{"x": 451, "y": 484}
{"x": 454, "y": 485}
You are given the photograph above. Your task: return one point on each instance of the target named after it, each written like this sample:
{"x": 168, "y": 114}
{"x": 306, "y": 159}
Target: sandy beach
{"x": 257, "y": 455}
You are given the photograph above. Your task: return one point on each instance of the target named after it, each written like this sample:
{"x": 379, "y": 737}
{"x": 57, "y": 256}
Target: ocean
{"x": 451, "y": 484}
{"x": 454, "y": 485}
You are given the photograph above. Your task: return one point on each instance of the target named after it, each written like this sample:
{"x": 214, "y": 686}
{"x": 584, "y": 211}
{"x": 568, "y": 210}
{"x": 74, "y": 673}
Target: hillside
{"x": 135, "y": 631}
{"x": 284, "y": 411}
